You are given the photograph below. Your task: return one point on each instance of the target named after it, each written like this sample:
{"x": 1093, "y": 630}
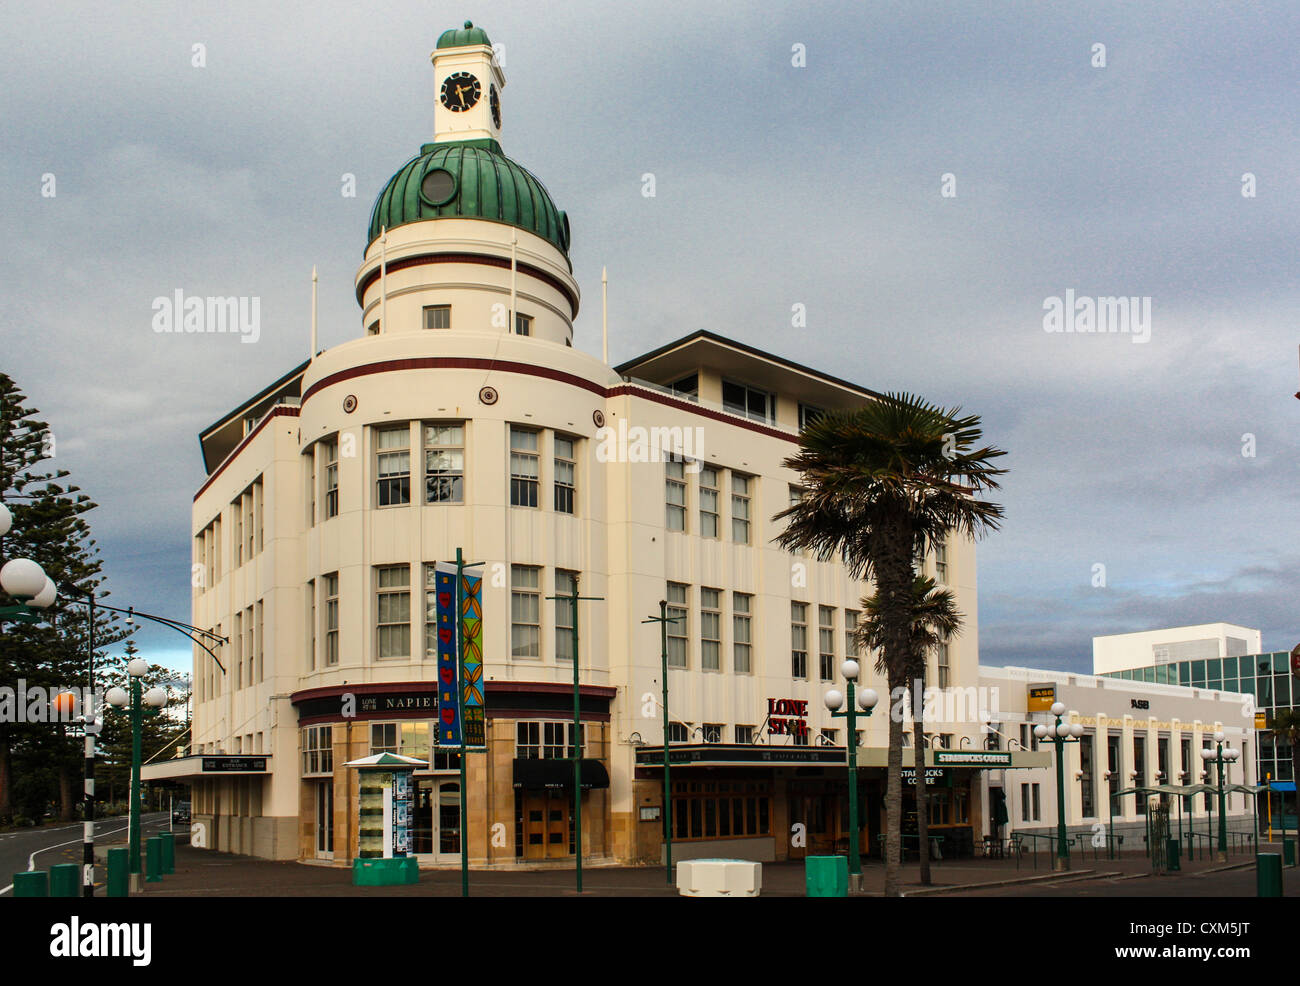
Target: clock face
{"x": 494, "y": 101}
{"x": 460, "y": 92}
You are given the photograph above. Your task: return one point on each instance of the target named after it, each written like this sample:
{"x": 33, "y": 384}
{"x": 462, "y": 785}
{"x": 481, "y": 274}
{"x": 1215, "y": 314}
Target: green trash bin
{"x": 1172, "y": 855}
{"x": 119, "y": 875}
{"x": 65, "y": 880}
{"x": 826, "y": 876}
{"x": 1268, "y": 874}
{"x": 1288, "y": 852}
{"x": 168, "y": 852}
{"x": 153, "y": 860}
{"x": 33, "y": 883}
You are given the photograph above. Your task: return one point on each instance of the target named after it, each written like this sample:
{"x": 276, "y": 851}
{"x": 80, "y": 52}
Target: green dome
{"x": 469, "y": 179}
{"x": 460, "y": 37}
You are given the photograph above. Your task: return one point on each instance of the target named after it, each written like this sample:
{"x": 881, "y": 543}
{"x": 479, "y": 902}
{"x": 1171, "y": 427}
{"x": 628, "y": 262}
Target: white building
{"x": 1122, "y": 651}
{"x": 450, "y": 424}
{"x": 1135, "y": 734}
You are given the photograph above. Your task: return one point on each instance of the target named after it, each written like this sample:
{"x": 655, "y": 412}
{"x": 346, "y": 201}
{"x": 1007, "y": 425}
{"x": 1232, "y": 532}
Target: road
{"x": 40, "y": 848}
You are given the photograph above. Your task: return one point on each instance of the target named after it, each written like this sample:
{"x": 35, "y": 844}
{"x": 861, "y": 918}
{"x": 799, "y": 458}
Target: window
{"x": 330, "y": 456}
{"x": 708, "y": 502}
{"x": 318, "y": 750}
{"x": 332, "y": 619}
{"x": 850, "y": 632}
{"x": 258, "y": 667}
{"x": 523, "y": 325}
{"x": 799, "y": 640}
{"x": 383, "y": 737}
{"x": 372, "y": 329}
{"x": 688, "y": 387}
{"x": 238, "y": 641}
{"x": 1037, "y": 803}
{"x": 1024, "y": 802}
{"x": 945, "y": 671}
{"x": 677, "y": 732}
{"x": 311, "y": 624}
{"x": 393, "y": 465}
{"x": 565, "y": 474}
{"x": 437, "y": 316}
{"x": 740, "y": 487}
{"x": 941, "y": 564}
{"x": 250, "y": 525}
{"x": 679, "y": 630}
{"x": 525, "y": 611}
{"x": 740, "y": 625}
{"x": 523, "y": 467}
{"x": 528, "y": 741}
{"x": 237, "y": 514}
{"x": 721, "y": 809}
{"x": 393, "y": 611}
{"x": 710, "y": 631}
{"x": 1086, "y": 806}
{"x": 809, "y": 413}
{"x": 711, "y": 732}
{"x": 408, "y": 739}
{"x": 1140, "y": 767}
{"x": 675, "y": 492}
{"x": 826, "y": 641}
{"x": 744, "y": 734}
{"x": 444, "y": 463}
{"x": 563, "y": 616}
{"x": 740, "y": 399}
{"x": 829, "y": 737}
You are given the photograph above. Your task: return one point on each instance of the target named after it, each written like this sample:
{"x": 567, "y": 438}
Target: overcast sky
{"x": 776, "y": 186}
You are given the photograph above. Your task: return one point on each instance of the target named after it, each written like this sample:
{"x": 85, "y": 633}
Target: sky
{"x": 922, "y": 178}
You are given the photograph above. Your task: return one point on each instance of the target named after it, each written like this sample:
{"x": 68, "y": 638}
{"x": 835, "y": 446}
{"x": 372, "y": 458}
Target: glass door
{"x": 422, "y": 834}
{"x": 448, "y": 822}
{"x": 325, "y": 819}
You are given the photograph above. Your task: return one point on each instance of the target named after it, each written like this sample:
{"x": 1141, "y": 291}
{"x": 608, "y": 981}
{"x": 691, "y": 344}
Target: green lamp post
{"x": 862, "y": 703}
{"x": 1221, "y": 756}
{"x": 1060, "y": 734}
{"x": 138, "y": 705}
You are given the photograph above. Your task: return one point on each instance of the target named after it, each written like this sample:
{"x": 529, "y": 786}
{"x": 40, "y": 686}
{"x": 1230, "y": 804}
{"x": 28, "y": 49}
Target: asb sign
{"x": 1041, "y": 698}
{"x": 787, "y": 717}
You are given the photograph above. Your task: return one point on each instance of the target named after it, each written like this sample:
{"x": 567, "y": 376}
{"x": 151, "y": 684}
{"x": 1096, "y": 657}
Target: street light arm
{"x": 192, "y": 632}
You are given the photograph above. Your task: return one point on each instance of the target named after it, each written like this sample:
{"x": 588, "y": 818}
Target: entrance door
{"x": 437, "y": 820}
{"x": 546, "y": 817}
{"x": 325, "y": 820}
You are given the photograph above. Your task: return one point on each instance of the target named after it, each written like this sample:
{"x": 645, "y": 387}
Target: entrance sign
{"x": 449, "y": 731}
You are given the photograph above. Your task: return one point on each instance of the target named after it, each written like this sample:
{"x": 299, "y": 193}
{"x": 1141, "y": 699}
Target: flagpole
{"x": 312, "y": 354}
{"x": 383, "y": 280}
{"x": 514, "y": 319}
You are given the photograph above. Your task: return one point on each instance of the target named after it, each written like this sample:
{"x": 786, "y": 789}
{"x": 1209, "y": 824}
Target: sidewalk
{"x": 202, "y": 873}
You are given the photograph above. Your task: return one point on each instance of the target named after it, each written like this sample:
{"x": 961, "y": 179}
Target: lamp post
{"x": 1058, "y": 736}
{"x": 1221, "y": 756}
{"x": 838, "y": 706}
{"x": 147, "y": 704}
{"x": 663, "y": 619}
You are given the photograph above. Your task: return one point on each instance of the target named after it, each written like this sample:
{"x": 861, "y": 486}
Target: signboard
{"x": 403, "y": 809}
{"x": 1261, "y": 720}
{"x": 448, "y": 684}
{"x": 240, "y": 765}
{"x": 471, "y": 671}
{"x": 972, "y": 758}
{"x": 787, "y": 717}
{"x": 932, "y": 776}
{"x": 1041, "y": 698}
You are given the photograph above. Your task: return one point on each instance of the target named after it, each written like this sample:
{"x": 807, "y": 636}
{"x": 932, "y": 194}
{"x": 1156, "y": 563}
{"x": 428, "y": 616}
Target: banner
{"x": 471, "y": 671}
{"x": 448, "y": 684}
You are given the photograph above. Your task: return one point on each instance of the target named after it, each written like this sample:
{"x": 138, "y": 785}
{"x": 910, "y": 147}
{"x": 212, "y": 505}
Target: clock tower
{"x": 467, "y": 84}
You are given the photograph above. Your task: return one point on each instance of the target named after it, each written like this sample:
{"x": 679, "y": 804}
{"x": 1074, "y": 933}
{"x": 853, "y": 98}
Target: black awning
{"x": 558, "y": 774}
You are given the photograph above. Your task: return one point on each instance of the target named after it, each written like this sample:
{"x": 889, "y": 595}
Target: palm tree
{"x": 935, "y": 618}
{"x": 878, "y": 482}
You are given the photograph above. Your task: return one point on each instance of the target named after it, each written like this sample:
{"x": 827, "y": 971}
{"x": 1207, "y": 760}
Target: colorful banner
{"x": 449, "y": 724}
{"x": 471, "y": 672}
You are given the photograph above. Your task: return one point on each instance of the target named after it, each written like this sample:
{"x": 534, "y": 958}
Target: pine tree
{"x": 49, "y": 527}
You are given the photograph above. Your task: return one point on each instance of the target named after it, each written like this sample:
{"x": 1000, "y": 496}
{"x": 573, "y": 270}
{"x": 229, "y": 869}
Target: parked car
{"x": 180, "y": 813}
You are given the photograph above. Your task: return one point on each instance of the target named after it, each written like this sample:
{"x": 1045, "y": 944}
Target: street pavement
{"x": 204, "y": 873}
{"x": 40, "y": 848}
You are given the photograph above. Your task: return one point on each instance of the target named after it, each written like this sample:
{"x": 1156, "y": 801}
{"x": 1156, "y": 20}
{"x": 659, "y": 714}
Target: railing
{"x": 936, "y": 844}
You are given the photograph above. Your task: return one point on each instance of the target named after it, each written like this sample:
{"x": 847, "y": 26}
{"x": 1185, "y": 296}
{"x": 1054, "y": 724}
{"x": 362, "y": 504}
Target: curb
{"x": 1045, "y": 878}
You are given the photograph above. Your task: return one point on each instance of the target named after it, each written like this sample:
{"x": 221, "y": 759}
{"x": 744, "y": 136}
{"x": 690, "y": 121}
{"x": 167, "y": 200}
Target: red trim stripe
{"x": 275, "y": 412}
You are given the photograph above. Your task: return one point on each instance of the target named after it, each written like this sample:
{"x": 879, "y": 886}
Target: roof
{"x": 664, "y": 356}
{"x": 477, "y": 182}
{"x": 218, "y": 439}
{"x": 461, "y": 37}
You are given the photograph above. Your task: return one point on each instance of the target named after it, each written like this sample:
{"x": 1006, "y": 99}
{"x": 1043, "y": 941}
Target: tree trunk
{"x": 6, "y": 785}
{"x": 922, "y": 791}
{"x": 893, "y": 576}
{"x": 894, "y": 793}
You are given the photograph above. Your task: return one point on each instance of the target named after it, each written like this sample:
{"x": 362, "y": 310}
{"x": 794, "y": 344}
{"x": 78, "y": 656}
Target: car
{"x": 181, "y": 813}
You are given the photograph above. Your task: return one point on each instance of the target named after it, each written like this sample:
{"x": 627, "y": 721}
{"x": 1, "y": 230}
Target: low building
{"x": 1136, "y": 734}
{"x": 1118, "y": 651}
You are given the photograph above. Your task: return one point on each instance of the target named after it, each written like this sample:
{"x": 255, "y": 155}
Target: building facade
{"x": 1135, "y": 734}
{"x": 1116, "y": 652}
{"x": 462, "y": 422}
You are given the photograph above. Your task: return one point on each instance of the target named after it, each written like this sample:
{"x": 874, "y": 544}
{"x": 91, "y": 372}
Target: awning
{"x": 1281, "y": 785}
{"x": 205, "y": 765}
{"x": 558, "y": 774}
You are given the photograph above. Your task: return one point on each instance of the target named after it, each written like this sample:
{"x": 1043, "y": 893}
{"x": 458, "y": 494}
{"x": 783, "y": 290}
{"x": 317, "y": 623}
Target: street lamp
{"x": 26, "y": 581}
{"x": 1221, "y": 756}
{"x": 1060, "y": 734}
{"x": 147, "y": 704}
{"x": 836, "y": 704}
